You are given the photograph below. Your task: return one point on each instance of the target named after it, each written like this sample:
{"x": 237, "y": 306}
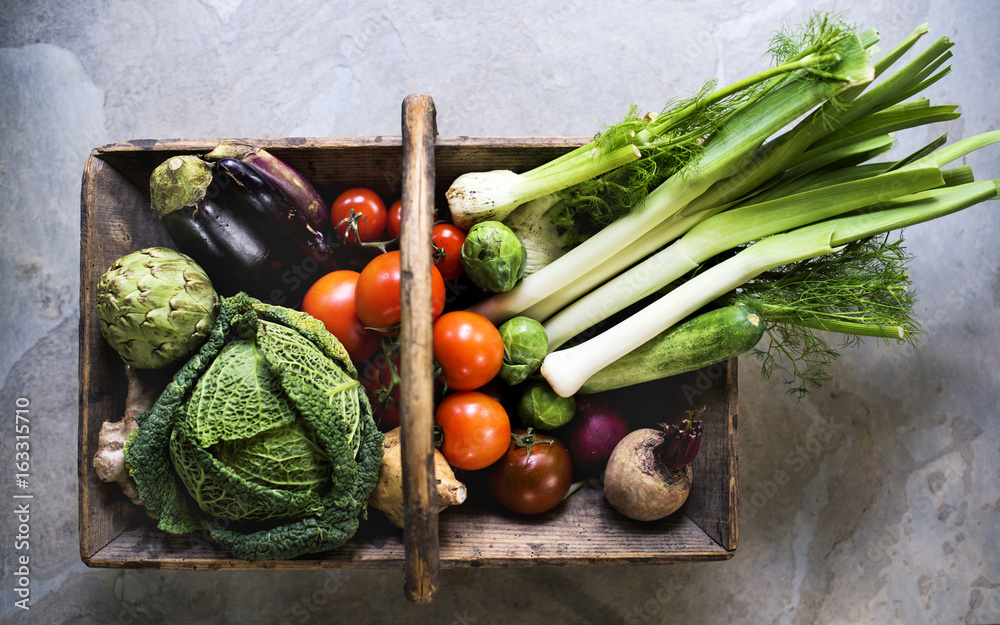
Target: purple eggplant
{"x": 204, "y": 220}
{"x": 292, "y": 184}
{"x": 265, "y": 202}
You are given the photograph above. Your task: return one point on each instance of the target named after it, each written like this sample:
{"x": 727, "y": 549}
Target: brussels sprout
{"x": 524, "y": 346}
{"x": 541, "y": 408}
{"x": 493, "y": 256}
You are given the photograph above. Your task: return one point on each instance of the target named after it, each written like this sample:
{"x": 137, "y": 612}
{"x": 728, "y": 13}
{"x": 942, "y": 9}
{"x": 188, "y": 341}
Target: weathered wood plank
{"x": 416, "y": 391}
{"x": 115, "y": 220}
{"x": 712, "y": 503}
{"x": 583, "y": 531}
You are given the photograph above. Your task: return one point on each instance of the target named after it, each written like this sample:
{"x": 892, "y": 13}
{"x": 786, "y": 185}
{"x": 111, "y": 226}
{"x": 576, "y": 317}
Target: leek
{"x": 568, "y": 369}
{"x": 727, "y": 230}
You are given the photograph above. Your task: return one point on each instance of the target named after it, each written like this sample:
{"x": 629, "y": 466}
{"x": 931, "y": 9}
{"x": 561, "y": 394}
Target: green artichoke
{"x": 156, "y": 307}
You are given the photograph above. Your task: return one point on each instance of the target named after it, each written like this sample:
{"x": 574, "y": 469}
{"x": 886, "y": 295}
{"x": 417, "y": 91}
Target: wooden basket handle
{"x": 420, "y": 516}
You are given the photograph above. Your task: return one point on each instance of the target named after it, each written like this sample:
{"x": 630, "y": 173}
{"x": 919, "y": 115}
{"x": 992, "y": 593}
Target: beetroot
{"x": 648, "y": 477}
{"x": 593, "y": 434}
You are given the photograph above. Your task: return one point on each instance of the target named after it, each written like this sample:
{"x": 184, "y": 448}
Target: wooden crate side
{"x": 374, "y": 161}
{"x": 712, "y": 504}
{"x": 143, "y": 546}
{"x": 582, "y": 531}
{"x": 731, "y": 539}
{"x": 114, "y": 218}
{"x": 332, "y": 165}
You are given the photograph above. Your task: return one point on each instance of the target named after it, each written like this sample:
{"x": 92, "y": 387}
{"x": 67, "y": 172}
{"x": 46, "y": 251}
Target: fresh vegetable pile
{"x": 673, "y": 241}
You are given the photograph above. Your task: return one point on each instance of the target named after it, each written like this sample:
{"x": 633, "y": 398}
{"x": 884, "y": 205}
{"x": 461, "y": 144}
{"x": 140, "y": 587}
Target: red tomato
{"x": 377, "y": 297}
{"x": 533, "y": 475}
{"x": 380, "y": 377}
{"x": 475, "y": 429}
{"x": 469, "y": 349}
{"x": 448, "y": 241}
{"x": 395, "y": 219}
{"x": 358, "y": 212}
{"x": 331, "y": 300}
{"x": 392, "y": 225}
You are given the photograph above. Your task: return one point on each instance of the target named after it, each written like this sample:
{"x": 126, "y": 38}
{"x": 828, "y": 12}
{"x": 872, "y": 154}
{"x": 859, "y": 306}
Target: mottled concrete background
{"x": 887, "y": 514}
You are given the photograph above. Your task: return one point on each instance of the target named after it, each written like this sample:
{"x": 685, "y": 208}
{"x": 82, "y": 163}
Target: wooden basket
{"x": 116, "y": 219}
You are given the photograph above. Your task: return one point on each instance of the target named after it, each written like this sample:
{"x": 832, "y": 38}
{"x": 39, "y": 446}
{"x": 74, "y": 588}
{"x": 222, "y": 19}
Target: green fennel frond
{"x": 864, "y": 290}
{"x": 796, "y": 41}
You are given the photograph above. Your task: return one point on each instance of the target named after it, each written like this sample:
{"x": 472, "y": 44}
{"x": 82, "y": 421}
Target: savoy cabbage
{"x": 264, "y": 438}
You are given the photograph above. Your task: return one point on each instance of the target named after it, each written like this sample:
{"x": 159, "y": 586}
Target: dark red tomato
{"x": 469, "y": 349}
{"x": 358, "y": 213}
{"x": 448, "y": 241}
{"x": 395, "y": 219}
{"x": 331, "y": 300}
{"x": 475, "y": 429}
{"x": 534, "y": 474}
{"x": 380, "y": 377}
{"x": 377, "y": 298}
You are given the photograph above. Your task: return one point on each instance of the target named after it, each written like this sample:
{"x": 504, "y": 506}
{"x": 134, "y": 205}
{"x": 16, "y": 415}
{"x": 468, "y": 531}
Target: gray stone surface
{"x": 874, "y": 500}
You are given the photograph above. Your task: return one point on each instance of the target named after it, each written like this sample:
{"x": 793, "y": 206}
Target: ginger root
{"x": 388, "y": 493}
{"x": 109, "y": 461}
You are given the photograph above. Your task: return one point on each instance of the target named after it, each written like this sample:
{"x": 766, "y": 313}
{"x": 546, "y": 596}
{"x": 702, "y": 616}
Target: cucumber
{"x": 707, "y": 339}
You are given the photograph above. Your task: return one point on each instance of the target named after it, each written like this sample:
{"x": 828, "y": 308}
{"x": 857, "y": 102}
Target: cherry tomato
{"x": 448, "y": 240}
{"x": 358, "y": 212}
{"x": 376, "y": 299}
{"x": 380, "y": 377}
{"x": 394, "y": 219}
{"x": 534, "y": 474}
{"x": 331, "y": 300}
{"x": 469, "y": 349}
{"x": 475, "y": 429}
{"x": 392, "y": 224}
